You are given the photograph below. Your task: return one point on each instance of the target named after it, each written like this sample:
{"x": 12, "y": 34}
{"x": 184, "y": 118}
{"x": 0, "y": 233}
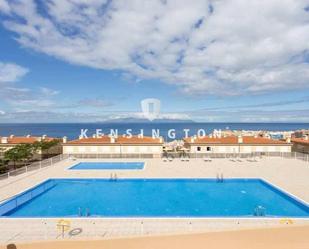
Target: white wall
{"x": 114, "y": 149}
{"x": 240, "y": 148}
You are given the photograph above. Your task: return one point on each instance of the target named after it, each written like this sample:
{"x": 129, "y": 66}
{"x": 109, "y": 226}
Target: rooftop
{"x": 233, "y": 140}
{"x": 23, "y": 140}
{"x": 301, "y": 140}
{"x": 119, "y": 140}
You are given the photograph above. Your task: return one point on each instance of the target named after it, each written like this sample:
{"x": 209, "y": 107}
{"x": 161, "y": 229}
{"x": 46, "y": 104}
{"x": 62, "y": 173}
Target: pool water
{"x": 108, "y": 165}
{"x": 154, "y": 198}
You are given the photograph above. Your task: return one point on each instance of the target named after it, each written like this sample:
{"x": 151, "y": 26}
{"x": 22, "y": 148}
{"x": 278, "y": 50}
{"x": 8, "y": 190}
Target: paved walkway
{"x": 289, "y": 174}
{"x": 295, "y": 237}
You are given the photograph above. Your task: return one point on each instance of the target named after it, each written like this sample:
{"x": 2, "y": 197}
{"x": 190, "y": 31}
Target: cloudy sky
{"x": 206, "y": 60}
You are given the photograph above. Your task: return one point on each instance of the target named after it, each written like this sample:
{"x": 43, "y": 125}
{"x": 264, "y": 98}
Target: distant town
{"x": 17, "y": 151}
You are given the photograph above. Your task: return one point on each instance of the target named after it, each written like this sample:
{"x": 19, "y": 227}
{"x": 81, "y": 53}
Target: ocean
{"x": 73, "y": 130}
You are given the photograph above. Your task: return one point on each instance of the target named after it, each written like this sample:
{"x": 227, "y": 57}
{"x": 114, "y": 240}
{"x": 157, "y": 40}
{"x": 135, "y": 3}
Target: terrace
{"x": 272, "y": 169}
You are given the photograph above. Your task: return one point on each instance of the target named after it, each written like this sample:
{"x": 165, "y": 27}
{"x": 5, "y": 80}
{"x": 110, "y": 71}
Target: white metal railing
{"x": 34, "y": 166}
{"x": 113, "y": 155}
{"x": 291, "y": 155}
{"x": 53, "y": 160}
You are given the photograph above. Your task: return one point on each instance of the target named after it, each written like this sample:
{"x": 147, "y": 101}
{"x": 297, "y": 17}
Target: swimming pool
{"x": 153, "y": 198}
{"x": 108, "y": 165}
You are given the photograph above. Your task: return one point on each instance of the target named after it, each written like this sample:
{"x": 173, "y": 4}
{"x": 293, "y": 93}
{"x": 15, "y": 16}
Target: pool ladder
{"x": 220, "y": 177}
{"x": 80, "y": 212}
{"x": 259, "y": 211}
{"x": 114, "y": 177}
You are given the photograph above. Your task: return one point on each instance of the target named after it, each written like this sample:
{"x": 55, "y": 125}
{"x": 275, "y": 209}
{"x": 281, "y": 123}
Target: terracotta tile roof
{"x": 119, "y": 140}
{"x": 26, "y": 140}
{"x": 91, "y": 140}
{"x": 262, "y": 140}
{"x": 139, "y": 140}
{"x": 234, "y": 140}
{"x": 300, "y": 141}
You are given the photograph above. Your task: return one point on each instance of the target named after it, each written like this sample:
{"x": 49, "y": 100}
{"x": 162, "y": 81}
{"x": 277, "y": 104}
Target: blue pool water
{"x": 153, "y": 198}
{"x": 109, "y": 165}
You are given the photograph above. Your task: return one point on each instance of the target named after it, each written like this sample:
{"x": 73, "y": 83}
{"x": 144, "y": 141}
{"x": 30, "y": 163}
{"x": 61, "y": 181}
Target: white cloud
{"x": 4, "y": 6}
{"x": 34, "y": 116}
{"x": 24, "y": 99}
{"x": 96, "y": 102}
{"x": 48, "y": 92}
{"x": 213, "y": 47}
{"x": 248, "y": 115}
{"x": 10, "y": 72}
{"x": 140, "y": 115}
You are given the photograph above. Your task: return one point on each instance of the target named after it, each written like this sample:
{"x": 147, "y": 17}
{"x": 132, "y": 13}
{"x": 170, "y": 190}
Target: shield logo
{"x": 151, "y": 108}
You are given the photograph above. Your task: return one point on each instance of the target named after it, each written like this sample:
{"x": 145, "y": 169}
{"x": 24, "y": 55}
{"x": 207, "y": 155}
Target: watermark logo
{"x": 151, "y": 111}
{"x": 151, "y": 108}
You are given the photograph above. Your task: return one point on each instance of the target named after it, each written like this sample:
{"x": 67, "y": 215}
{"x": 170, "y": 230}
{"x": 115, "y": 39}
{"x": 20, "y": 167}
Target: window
{"x": 198, "y": 148}
{"x": 208, "y": 148}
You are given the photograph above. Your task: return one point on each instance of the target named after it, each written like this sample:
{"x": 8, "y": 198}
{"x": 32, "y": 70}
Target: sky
{"x": 205, "y": 60}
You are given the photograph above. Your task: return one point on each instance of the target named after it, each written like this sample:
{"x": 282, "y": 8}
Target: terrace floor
{"x": 290, "y": 175}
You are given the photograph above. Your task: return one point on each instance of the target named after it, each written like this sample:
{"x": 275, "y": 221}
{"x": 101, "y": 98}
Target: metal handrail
{"x": 295, "y": 155}
{"x": 34, "y": 166}
{"x": 53, "y": 160}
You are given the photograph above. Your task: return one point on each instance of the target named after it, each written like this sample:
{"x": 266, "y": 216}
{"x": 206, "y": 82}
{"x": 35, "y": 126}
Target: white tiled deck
{"x": 289, "y": 174}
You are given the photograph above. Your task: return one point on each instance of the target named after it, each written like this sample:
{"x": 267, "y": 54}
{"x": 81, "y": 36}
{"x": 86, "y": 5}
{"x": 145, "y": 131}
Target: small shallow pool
{"x": 154, "y": 198}
{"x": 108, "y": 165}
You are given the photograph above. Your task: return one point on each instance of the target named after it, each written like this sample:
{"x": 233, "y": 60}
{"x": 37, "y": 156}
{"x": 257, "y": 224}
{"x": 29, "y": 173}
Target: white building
{"x": 234, "y": 144}
{"x": 110, "y": 145}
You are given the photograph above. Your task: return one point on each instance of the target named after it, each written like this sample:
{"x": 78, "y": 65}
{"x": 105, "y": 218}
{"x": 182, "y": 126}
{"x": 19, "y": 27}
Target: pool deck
{"x": 290, "y": 175}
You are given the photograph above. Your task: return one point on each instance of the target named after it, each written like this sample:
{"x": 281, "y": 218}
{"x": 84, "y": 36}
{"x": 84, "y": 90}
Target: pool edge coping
{"x": 293, "y": 197}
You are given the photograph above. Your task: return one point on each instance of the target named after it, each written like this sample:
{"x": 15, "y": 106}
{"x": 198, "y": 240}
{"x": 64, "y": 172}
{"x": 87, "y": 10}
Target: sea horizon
{"x": 73, "y": 130}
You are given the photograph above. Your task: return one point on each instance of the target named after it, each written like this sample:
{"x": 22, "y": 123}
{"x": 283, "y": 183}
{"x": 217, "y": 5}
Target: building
{"x": 252, "y": 133}
{"x": 301, "y": 133}
{"x": 115, "y": 146}
{"x": 7, "y": 143}
{"x": 301, "y": 144}
{"x": 236, "y": 144}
